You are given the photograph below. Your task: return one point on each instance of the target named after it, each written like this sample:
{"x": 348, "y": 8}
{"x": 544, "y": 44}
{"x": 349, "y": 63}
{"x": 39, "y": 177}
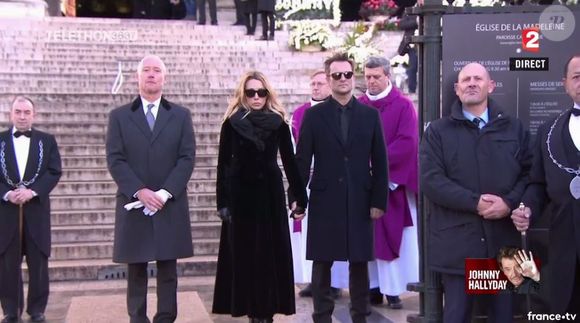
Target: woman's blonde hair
{"x": 239, "y": 99}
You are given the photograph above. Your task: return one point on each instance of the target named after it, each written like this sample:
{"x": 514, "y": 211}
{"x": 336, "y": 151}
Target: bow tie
{"x": 26, "y": 133}
{"x": 576, "y": 112}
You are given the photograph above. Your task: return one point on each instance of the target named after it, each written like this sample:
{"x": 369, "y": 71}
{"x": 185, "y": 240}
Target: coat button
{"x": 482, "y": 239}
{"x": 345, "y": 158}
{"x": 340, "y": 180}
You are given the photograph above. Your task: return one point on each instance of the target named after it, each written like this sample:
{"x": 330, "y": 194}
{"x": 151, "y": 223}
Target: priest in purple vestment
{"x": 396, "y": 245}
{"x": 320, "y": 91}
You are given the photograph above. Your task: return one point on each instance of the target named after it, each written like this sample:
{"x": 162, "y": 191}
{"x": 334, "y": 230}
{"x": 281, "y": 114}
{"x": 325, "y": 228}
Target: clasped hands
{"x": 492, "y": 207}
{"x": 150, "y": 200}
{"x": 20, "y": 196}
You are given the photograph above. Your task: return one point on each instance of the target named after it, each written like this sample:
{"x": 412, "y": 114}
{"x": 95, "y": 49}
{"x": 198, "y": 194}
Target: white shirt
{"x": 574, "y": 126}
{"x": 154, "y": 110}
{"x": 21, "y": 148}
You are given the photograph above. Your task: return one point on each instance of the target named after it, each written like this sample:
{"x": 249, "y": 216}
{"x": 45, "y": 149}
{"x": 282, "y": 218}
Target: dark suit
{"x": 36, "y": 231}
{"x": 160, "y": 159}
{"x": 548, "y": 194}
{"x": 343, "y": 188}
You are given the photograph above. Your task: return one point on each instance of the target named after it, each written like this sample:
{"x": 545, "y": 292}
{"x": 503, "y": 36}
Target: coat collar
{"x": 494, "y": 111}
{"x": 10, "y": 155}
{"x": 163, "y": 116}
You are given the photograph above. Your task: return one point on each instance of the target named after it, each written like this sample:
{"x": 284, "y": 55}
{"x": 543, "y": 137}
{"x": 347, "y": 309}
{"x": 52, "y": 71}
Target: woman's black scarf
{"x": 255, "y": 125}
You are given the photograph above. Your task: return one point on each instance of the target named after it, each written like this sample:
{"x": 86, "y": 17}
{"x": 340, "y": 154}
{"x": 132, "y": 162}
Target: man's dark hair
{"x": 568, "y": 63}
{"x": 338, "y": 57}
{"x": 506, "y": 252}
{"x": 21, "y": 98}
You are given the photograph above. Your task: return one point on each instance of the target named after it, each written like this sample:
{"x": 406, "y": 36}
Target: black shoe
{"x": 10, "y": 319}
{"x": 271, "y": 37}
{"x": 394, "y": 302}
{"x": 335, "y": 293}
{"x": 37, "y": 317}
{"x": 249, "y": 33}
{"x": 306, "y": 292}
{"x": 201, "y": 22}
{"x": 376, "y": 297}
{"x": 263, "y": 38}
{"x": 214, "y": 23}
{"x": 238, "y": 23}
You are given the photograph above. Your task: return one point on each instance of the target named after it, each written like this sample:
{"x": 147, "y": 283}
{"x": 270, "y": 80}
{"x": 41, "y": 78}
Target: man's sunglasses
{"x": 250, "y": 93}
{"x": 338, "y": 75}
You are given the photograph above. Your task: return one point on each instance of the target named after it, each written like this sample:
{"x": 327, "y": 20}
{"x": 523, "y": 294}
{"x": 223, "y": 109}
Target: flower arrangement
{"x": 309, "y": 32}
{"x": 377, "y": 8}
{"x": 359, "y": 45}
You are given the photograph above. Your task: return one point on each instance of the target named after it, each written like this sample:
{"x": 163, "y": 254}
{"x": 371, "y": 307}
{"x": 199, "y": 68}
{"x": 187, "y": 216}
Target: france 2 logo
{"x": 531, "y": 39}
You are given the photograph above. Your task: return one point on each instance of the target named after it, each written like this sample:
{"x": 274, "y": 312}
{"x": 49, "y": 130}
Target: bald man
{"x": 474, "y": 167}
{"x": 150, "y": 154}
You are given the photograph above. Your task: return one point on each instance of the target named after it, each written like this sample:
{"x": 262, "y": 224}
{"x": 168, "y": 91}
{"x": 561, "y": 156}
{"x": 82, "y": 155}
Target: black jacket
{"x": 458, "y": 163}
{"x": 348, "y": 179}
{"x": 37, "y": 210}
{"x": 548, "y": 195}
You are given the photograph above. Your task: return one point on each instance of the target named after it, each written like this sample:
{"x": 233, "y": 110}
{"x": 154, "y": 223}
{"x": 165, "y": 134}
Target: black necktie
{"x": 576, "y": 112}
{"x": 476, "y": 121}
{"x": 26, "y": 133}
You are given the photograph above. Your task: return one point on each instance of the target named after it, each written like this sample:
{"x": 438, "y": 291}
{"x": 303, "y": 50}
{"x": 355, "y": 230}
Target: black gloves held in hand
{"x": 224, "y": 215}
{"x": 297, "y": 211}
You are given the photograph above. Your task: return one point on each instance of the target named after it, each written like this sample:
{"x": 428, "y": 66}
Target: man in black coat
{"x": 150, "y": 154}
{"x": 348, "y": 188}
{"x": 554, "y": 191}
{"x": 30, "y": 168}
{"x": 474, "y": 166}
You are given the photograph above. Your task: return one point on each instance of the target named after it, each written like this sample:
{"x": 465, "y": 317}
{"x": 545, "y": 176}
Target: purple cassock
{"x": 297, "y": 117}
{"x": 402, "y": 139}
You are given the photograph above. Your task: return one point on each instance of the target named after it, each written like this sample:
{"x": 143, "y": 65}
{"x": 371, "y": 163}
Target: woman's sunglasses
{"x": 338, "y": 75}
{"x": 250, "y": 93}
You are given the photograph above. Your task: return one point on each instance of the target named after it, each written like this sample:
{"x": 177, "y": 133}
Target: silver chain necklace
{"x": 5, "y": 170}
{"x": 575, "y": 182}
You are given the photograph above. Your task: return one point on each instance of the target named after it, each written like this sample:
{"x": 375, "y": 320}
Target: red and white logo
{"x": 531, "y": 39}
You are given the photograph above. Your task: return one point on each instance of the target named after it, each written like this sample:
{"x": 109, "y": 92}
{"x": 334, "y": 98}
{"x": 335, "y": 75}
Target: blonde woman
{"x": 254, "y": 275}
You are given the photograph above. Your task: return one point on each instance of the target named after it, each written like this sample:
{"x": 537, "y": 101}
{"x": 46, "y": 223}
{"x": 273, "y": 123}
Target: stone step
{"x": 97, "y": 137}
{"x": 109, "y": 187}
{"x": 91, "y": 202}
{"x": 99, "y": 149}
{"x": 107, "y": 216}
{"x": 99, "y": 269}
{"x": 105, "y": 232}
{"x": 50, "y": 119}
{"x": 100, "y": 174}
{"x": 104, "y": 250}
{"x": 70, "y": 126}
{"x": 100, "y": 161}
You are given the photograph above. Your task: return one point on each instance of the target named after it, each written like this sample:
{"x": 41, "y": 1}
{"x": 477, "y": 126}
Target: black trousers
{"x": 166, "y": 292}
{"x": 458, "y": 305}
{"x": 11, "y": 287}
{"x": 268, "y": 23}
{"x": 323, "y": 302}
{"x": 212, "y": 11}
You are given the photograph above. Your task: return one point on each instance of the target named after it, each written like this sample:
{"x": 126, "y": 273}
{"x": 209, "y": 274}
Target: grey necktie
{"x": 149, "y": 116}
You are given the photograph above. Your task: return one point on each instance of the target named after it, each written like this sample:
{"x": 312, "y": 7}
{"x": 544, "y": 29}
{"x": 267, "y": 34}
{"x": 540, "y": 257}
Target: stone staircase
{"x": 70, "y": 78}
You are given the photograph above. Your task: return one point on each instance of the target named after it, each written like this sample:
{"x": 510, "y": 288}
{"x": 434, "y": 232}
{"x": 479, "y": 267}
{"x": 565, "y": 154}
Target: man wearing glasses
{"x": 346, "y": 191}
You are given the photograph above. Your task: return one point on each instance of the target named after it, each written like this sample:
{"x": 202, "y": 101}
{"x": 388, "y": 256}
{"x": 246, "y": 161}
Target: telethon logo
{"x": 483, "y": 276}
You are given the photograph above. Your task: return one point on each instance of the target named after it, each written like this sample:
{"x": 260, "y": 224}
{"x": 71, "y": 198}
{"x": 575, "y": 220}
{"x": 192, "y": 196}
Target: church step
{"x": 99, "y": 149}
{"x": 99, "y": 174}
{"x": 91, "y": 202}
{"x": 107, "y": 216}
{"x": 104, "y": 250}
{"x": 96, "y": 137}
{"x": 100, "y": 161}
{"x": 109, "y": 187}
{"x": 68, "y": 126}
{"x": 105, "y": 232}
{"x": 105, "y": 269}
